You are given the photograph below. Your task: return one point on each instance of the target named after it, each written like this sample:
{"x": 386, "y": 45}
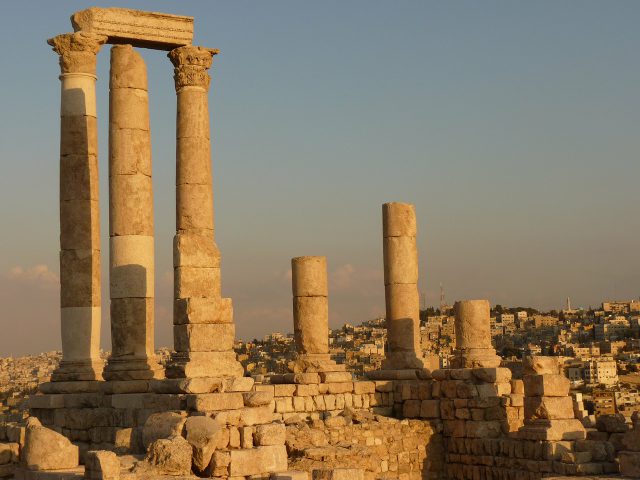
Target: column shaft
{"x": 204, "y": 331}
{"x": 310, "y": 305}
{"x": 131, "y": 242}
{"x": 473, "y": 335}
{"x": 79, "y": 211}
{"x": 401, "y": 286}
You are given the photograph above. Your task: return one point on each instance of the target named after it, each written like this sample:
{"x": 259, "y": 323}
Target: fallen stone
{"x": 170, "y": 456}
{"x": 203, "y": 434}
{"x": 162, "y": 425}
{"x": 45, "y": 449}
{"x": 101, "y": 465}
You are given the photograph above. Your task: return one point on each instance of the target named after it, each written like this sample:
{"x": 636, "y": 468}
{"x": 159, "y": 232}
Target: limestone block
{"x": 130, "y": 205}
{"x": 260, "y": 460}
{"x": 492, "y": 375}
{"x": 193, "y": 160}
{"x": 472, "y": 324}
{"x": 194, "y": 250}
{"x": 548, "y": 385}
{"x": 78, "y": 135}
{"x": 411, "y": 408}
{"x": 364, "y": 387}
{"x": 9, "y": 453}
{"x": 311, "y": 316}
{"x": 202, "y": 310}
{"x": 131, "y": 259}
{"x": 204, "y": 364}
{"x": 45, "y": 449}
{"x": 207, "y": 402}
{"x": 204, "y": 337}
{"x": 78, "y": 94}
{"x": 80, "y": 343}
{"x": 80, "y": 278}
{"x": 127, "y": 68}
{"x": 238, "y": 384}
{"x": 194, "y": 207}
{"x": 203, "y": 434}
{"x": 403, "y": 307}
{"x": 79, "y": 224}
{"x": 145, "y": 29}
{"x": 398, "y": 220}
{"x": 539, "y": 365}
{"x": 78, "y": 178}
{"x": 551, "y": 408}
{"x": 196, "y": 282}
{"x": 193, "y": 113}
{"x": 101, "y": 465}
{"x": 257, "y": 399}
{"x": 517, "y": 386}
{"x": 566, "y": 429}
{"x": 400, "y": 260}
{"x": 132, "y": 327}
{"x": 309, "y": 276}
{"x": 612, "y": 423}
{"x": 629, "y": 464}
{"x": 290, "y": 475}
{"x": 162, "y": 425}
{"x": 335, "y": 377}
{"x": 170, "y": 456}
{"x": 339, "y": 474}
{"x": 129, "y": 108}
{"x": 129, "y": 151}
{"x": 283, "y": 390}
{"x": 483, "y": 429}
{"x": 430, "y": 409}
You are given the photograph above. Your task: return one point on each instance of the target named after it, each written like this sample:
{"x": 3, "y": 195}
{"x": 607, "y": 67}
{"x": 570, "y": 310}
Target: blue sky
{"x": 511, "y": 126}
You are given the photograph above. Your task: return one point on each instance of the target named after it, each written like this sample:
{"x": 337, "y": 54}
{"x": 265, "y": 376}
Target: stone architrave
{"x": 473, "y": 336}
{"x": 401, "y": 287}
{"x": 79, "y": 209}
{"x": 204, "y": 331}
{"x": 130, "y": 221}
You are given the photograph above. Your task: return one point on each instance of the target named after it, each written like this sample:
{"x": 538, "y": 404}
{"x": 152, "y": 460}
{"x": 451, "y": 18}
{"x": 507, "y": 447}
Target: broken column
{"x": 204, "y": 331}
{"x": 401, "y": 287}
{"x": 79, "y": 209}
{"x": 473, "y": 336}
{"x": 311, "y": 324}
{"x": 131, "y": 223}
{"x": 548, "y": 407}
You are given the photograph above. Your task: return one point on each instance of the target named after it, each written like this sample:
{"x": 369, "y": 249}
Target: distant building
{"x": 601, "y": 371}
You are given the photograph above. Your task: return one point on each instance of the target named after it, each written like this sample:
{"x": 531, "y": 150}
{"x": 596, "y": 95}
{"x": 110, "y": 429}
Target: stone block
{"x": 203, "y": 434}
{"x": 204, "y": 364}
{"x": 398, "y": 220}
{"x": 204, "y": 337}
{"x": 45, "y": 449}
{"x": 546, "y": 385}
{"x": 195, "y": 250}
{"x": 162, "y": 425}
{"x": 339, "y": 474}
{"x": 190, "y": 202}
{"x": 492, "y": 375}
{"x": 208, "y": 402}
{"x": 364, "y": 387}
{"x": 483, "y": 429}
{"x": 256, "y": 415}
{"x": 257, "y": 399}
{"x": 430, "y": 409}
{"x": 612, "y": 423}
{"x": 260, "y": 460}
{"x": 309, "y": 276}
{"x": 80, "y": 277}
{"x": 131, "y": 263}
{"x": 9, "y": 453}
{"x": 400, "y": 260}
{"x": 202, "y": 310}
{"x": 290, "y": 475}
{"x": 548, "y": 408}
{"x": 270, "y": 434}
{"x": 78, "y": 135}
{"x": 539, "y": 365}
{"x": 170, "y": 456}
{"x": 196, "y": 282}
{"x": 130, "y": 201}
{"x": 629, "y": 463}
{"x": 78, "y": 178}
{"x": 565, "y": 429}
{"x": 101, "y": 465}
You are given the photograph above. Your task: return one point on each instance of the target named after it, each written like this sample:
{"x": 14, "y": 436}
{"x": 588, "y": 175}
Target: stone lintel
{"x": 159, "y": 31}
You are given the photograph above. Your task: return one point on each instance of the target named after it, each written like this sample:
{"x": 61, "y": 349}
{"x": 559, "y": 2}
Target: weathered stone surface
{"x": 257, "y": 461}
{"x": 257, "y": 399}
{"x": 208, "y": 402}
{"x": 203, "y": 433}
{"x": 204, "y": 337}
{"x": 202, "y": 310}
{"x": 309, "y": 276}
{"x": 45, "y": 449}
{"x": 612, "y": 423}
{"x": 629, "y": 464}
{"x": 551, "y": 408}
{"x": 539, "y": 365}
{"x": 145, "y": 29}
{"x": 398, "y": 220}
{"x": 170, "y": 456}
{"x": 547, "y": 385}
{"x": 162, "y": 425}
{"x": 101, "y": 465}
{"x": 270, "y": 434}
{"x": 311, "y": 324}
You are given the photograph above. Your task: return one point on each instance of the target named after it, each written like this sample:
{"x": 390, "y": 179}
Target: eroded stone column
{"x": 401, "y": 287}
{"x": 130, "y": 221}
{"x": 473, "y": 336}
{"x": 310, "y": 306}
{"x": 79, "y": 210}
{"x": 203, "y": 321}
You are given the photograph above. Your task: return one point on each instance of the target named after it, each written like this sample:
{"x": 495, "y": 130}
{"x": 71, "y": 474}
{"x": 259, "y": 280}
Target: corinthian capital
{"x": 77, "y": 51}
{"x": 191, "y": 64}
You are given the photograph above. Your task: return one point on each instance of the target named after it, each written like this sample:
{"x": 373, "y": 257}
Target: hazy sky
{"x": 512, "y": 126}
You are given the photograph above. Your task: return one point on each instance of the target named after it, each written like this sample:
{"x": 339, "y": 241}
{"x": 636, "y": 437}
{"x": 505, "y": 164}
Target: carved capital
{"x": 77, "y": 51}
{"x": 191, "y": 64}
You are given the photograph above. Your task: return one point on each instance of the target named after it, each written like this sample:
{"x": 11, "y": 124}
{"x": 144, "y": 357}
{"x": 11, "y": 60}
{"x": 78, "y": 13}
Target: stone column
{"x": 130, "y": 221}
{"x": 79, "y": 210}
{"x": 203, "y": 321}
{"x": 401, "y": 287}
{"x": 473, "y": 336}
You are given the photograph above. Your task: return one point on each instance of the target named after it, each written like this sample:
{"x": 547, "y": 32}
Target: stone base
{"x": 408, "y": 361}
{"x": 400, "y": 374}
{"x": 476, "y": 358}
{"x": 70, "y": 387}
{"x": 204, "y": 364}
{"x": 128, "y": 369}
{"x": 311, "y": 378}
{"x": 78, "y": 371}
{"x": 568, "y": 429}
{"x": 202, "y": 385}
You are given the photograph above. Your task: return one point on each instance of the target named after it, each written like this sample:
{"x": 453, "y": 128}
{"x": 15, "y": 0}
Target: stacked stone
{"x": 204, "y": 331}
{"x": 579, "y": 411}
{"x": 404, "y": 353}
{"x": 79, "y": 214}
{"x": 132, "y": 361}
{"x": 548, "y": 407}
{"x": 473, "y": 336}
{"x": 313, "y": 364}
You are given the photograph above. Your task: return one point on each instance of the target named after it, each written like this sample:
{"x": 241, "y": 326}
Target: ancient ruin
{"x": 200, "y": 416}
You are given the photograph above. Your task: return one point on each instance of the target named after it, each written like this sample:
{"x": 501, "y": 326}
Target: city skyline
{"x": 512, "y": 134}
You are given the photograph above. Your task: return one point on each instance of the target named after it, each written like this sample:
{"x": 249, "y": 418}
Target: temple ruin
{"x": 201, "y": 417}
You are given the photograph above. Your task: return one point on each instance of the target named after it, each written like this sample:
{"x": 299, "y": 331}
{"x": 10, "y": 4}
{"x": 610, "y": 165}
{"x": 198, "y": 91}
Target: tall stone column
{"x": 401, "y": 287}
{"x": 131, "y": 241}
{"x": 473, "y": 336}
{"x": 79, "y": 210}
{"x": 203, "y": 321}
